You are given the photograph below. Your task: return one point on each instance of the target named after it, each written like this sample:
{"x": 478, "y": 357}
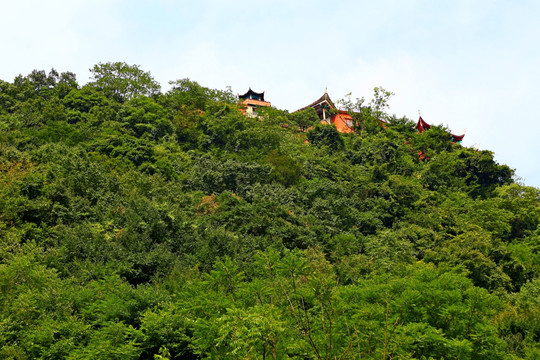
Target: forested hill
{"x": 141, "y": 224}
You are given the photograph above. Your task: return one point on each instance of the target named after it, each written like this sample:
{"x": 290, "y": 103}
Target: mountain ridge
{"x": 137, "y": 224}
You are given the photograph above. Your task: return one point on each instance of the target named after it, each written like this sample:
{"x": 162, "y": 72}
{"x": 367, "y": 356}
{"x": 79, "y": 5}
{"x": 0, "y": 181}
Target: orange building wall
{"x": 340, "y": 121}
{"x": 253, "y": 104}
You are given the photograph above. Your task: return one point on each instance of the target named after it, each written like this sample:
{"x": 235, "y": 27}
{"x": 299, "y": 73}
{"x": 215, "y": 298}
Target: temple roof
{"x": 317, "y": 104}
{"x": 421, "y": 126}
{"x": 250, "y": 94}
{"x": 322, "y": 106}
{"x": 457, "y": 138}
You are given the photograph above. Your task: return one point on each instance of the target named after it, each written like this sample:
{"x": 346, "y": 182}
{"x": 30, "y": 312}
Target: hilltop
{"x": 140, "y": 224}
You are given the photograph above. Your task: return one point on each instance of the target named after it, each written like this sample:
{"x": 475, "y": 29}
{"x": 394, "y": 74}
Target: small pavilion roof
{"x": 250, "y": 94}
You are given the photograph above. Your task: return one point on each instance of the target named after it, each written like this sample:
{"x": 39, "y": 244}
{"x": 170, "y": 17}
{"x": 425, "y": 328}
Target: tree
{"x": 188, "y": 95}
{"x": 325, "y": 135}
{"x": 135, "y": 226}
{"x": 368, "y": 117}
{"x": 143, "y": 115}
{"x": 305, "y": 118}
{"x": 122, "y": 82}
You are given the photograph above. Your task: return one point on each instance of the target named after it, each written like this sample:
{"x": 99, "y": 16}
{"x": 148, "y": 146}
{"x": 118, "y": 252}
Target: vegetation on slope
{"x": 136, "y": 224}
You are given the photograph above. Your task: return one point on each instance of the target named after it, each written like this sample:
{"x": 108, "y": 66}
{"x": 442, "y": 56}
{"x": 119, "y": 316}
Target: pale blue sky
{"x": 464, "y": 64}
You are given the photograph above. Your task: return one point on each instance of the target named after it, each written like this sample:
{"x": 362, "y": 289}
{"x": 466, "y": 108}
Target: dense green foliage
{"x": 136, "y": 224}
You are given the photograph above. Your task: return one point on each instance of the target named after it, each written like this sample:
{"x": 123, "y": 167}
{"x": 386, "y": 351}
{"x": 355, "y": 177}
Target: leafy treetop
{"x": 122, "y": 81}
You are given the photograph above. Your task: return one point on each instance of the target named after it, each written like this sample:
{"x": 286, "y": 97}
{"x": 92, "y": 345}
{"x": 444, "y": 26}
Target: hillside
{"x": 140, "y": 224}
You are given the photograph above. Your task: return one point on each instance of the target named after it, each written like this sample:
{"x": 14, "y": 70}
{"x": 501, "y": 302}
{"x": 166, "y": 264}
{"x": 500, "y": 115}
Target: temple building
{"x": 422, "y": 126}
{"x": 252, "y": 100}
{"x": 328, "y": 113}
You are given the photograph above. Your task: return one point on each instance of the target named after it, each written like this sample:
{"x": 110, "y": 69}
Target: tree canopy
{"x": 136, "y": 224}
{"x": 122, "y": 82}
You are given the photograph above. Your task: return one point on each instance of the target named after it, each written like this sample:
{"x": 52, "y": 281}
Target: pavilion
{"x": 252, "y": 100}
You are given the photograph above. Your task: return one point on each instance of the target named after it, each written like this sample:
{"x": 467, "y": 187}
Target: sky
{"x": 472, "y": 66}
